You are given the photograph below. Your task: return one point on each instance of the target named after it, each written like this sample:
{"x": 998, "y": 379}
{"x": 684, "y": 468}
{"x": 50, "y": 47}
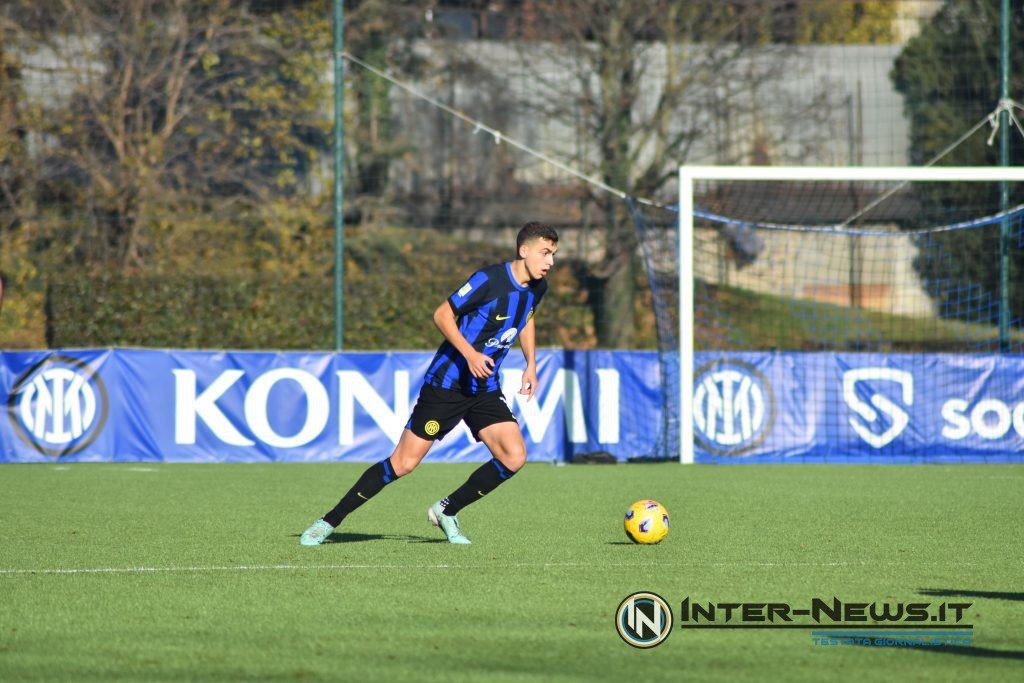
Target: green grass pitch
{"x": 160, "y": 572}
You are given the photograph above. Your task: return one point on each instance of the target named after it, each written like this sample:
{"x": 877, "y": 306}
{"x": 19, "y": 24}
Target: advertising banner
{"x": 122, "y": 405}
{"x": 858, "y": 408}
{"x": 113, "y": 405}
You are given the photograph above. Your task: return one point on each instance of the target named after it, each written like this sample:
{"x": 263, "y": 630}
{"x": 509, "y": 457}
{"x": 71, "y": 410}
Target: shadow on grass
{"x": 969, "y": 650}
{"x": 958, "y": 593}
{"x": 421, "y": 539}
{"x": 349, "y": 537}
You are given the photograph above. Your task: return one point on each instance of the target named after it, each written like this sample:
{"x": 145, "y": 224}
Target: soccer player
{"x": 479, "y": 321}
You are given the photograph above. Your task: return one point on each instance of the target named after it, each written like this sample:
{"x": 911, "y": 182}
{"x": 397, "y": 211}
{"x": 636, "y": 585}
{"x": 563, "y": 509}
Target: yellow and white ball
{"x": 646, "y": 522}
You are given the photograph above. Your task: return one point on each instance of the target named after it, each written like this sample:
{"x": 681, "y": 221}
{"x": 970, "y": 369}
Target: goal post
{"x": 690, "y": 176}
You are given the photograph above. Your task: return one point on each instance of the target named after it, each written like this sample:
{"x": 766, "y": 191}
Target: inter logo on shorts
{"x": 643, "y": 620}
{"x": 432, "y": 427}
{"x": 59, "y": 406}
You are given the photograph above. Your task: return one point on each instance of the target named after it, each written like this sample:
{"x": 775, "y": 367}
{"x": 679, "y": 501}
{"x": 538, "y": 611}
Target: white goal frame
{"x": 688, "y": 175}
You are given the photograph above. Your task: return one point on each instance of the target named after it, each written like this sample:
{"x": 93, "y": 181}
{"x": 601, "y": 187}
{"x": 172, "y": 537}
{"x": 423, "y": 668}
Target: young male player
{"x": 479, "y": 321}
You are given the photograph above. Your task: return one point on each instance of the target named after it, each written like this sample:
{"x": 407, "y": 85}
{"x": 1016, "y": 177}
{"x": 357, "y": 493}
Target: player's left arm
{"x": 527, "y": 341}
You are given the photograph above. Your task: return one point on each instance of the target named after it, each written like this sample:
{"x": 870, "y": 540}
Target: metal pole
{"x": 339, "y": 165}
{"x": 1004, "y": 186}
{"x": 686, "y": 321}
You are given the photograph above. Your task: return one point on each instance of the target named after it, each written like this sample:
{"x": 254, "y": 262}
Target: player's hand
{"x": 480, "y": 365}
{"x": 529, "y": 385}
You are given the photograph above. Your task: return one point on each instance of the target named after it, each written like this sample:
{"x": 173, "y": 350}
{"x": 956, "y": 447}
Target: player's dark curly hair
{"x": 533, "y": 230}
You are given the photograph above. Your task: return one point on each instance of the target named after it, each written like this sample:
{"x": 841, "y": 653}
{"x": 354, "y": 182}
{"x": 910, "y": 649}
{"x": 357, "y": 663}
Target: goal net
{"x": 840, "y": 314}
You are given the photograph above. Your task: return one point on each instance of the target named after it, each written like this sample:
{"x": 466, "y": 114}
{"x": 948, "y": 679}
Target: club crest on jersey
{"x": 505, "y": 341}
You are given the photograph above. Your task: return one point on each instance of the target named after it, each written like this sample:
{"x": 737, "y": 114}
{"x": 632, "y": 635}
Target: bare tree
{"x": 381, "y": 33}
{"x": 158, "y": 106}
{"x": 15, "y": 168}
{"x": 651, "y": 85}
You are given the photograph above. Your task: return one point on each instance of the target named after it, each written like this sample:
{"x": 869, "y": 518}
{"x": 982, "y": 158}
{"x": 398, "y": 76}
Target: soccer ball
{"x": 646, "y": 522}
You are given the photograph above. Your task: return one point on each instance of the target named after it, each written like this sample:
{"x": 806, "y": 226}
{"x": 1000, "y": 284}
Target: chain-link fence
{"x": 165, "y": 175}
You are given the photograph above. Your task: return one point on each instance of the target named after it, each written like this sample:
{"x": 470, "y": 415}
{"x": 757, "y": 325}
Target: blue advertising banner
{"x": 858, "y": 408}
{"x": 116, "y": 405}
{"x": 191, "y": 406}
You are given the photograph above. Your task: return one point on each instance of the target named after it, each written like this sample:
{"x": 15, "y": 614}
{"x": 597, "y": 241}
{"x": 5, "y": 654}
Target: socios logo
{"x": 505, "y": 341}
{"x": 882, "y": 420}
{"x": 643, "y": 620}
{"x": 733, "y": 407}
{"x": 59, "y": 406}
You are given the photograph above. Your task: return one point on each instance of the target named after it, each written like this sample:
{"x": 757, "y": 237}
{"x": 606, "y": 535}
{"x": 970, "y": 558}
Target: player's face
{"x": 539, "y": 256}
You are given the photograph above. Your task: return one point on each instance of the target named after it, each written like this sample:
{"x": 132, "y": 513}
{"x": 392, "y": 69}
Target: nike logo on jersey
{"x": 502, "y": 317}
{"x": 361, "y": 495}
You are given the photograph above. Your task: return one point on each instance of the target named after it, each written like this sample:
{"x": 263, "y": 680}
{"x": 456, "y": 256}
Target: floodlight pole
{"x": 1004, "y": 187}
{"x": 339, "y": 166}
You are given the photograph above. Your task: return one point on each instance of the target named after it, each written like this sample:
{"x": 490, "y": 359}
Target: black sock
{"x": 484, "y": 479}
{"x": 369, "y": 485}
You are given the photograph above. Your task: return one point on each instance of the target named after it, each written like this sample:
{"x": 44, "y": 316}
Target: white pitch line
{"x": 214, "y": 568}
{"x": 524, "y": 565}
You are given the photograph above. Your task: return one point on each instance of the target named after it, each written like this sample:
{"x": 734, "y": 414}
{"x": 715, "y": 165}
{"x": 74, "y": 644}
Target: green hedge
{"x": 247, "y": 312}
{"x": 393, "y": 282}
{"x": 394, "y": 279}
{"x": 185, "y": 312}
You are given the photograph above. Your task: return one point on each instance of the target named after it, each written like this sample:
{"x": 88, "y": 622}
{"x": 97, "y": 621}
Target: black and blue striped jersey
{"x": 490, "y": 309}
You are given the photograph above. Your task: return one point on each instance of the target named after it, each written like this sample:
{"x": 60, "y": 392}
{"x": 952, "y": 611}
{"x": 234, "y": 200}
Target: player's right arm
{"x": 480, "y": 365}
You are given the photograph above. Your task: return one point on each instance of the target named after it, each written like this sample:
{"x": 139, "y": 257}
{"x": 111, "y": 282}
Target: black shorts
{"x": 438, "y": 411}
